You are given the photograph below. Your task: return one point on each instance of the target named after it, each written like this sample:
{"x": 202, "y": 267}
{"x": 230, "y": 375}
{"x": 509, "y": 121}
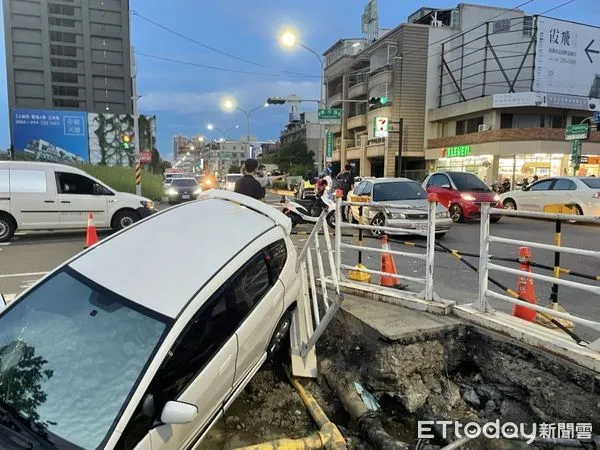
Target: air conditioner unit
{"x": 483, "y": 127}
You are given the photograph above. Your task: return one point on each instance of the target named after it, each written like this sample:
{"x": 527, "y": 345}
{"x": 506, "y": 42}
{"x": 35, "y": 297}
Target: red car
{"x": 462, "y": 193}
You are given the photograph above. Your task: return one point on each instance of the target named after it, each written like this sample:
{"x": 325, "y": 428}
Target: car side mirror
{"x": 178, "y": 413}
{"x": 446, "y": 186}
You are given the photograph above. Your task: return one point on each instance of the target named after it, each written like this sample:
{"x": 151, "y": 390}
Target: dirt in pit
{"x": 270, "y": 408}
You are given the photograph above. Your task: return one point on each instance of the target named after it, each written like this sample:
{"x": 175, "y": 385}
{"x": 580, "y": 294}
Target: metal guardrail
{"x": 485, "y": 265}
{"x": 429, "y": 233}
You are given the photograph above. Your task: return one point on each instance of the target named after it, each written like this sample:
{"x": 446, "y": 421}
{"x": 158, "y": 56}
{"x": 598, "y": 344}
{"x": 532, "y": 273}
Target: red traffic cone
{"x": 91, "y": 235}
{"x": 525, "y": 288}
{"x": 388, "y": 266}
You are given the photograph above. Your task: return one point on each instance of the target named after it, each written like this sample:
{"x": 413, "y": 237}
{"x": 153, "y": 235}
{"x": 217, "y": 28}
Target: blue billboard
{"x": 46, "y": 135}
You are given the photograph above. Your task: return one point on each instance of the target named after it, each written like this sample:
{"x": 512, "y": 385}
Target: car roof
{"x": 389, "y": 180}
{"x": 133, "y": 264}
{"x": 41, "y": 166}
{"x": 185, "y": 179}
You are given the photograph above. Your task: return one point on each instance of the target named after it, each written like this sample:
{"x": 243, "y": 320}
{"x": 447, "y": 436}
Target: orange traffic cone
{"x": 388, "y": 266}
{"x": 525, "y": 288}
{"x": 91, "y": 235}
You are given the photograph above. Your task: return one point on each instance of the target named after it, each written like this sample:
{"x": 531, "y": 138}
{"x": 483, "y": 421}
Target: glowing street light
{"x": 229, "y": 104}
{"x": 210, "y": 127}
{"x": 288, "y": 39}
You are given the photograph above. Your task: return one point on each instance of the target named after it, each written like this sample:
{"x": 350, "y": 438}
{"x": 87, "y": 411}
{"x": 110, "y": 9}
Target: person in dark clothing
{"x": 344, "y": 179}
{"x": 248, "y": 184}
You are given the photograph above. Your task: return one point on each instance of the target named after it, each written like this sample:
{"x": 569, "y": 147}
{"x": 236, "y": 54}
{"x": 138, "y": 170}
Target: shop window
{"x": 506, "y": 120}
{"x": 557, "y": 122}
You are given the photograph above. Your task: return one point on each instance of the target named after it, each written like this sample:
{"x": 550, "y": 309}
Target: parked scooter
{"x": 308, "y": 211}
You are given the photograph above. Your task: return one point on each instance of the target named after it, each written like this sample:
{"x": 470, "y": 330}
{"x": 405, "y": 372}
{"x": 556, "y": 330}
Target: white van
{"x": 46, "y": 196}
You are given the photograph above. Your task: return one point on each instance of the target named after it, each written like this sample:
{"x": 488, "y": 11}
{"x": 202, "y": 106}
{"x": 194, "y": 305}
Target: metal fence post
{"x": 484, "y": 250}
{"x": 338, "y": 234}
{"x": 429, "y": 262}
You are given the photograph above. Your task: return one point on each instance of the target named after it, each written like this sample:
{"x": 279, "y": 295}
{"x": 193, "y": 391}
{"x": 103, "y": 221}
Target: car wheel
{"x": 7, "y": 228}
{"x": 578, "y": 212}
{"x": 494, "y": 219}
{"x": 124, "y": 219}
{"x": 331, "y": 219}
{"x": 378, "y": 221}
{"x": 509, "y": 203}
{"x": 456, "y": 213}
{"x": 280, "y": 337}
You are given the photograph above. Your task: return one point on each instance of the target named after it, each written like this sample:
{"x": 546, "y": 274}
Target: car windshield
{"x": 593, "y": 183}
{"x": 184, "y": 182}
{"x": 233, "y": 178}
{"x": 469, "y": 182}
{"x": 71, "y": 353}
{"x": 398, "y": 190}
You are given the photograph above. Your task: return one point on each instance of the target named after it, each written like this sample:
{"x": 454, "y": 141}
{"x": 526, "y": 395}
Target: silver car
{"x": 398, "y": 192}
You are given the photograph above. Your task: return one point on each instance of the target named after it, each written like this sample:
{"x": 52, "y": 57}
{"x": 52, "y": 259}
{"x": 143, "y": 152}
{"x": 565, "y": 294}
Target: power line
{"x": 220, "y": 69}
{"x": 556, "y": 7}
{"x": 208, "y": 47}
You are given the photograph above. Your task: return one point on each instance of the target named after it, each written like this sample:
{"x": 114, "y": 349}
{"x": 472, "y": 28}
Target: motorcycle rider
{"x": 505, "y": 185}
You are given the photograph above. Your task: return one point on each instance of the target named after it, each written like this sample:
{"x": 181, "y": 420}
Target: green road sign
{"x": 579, "y": 131}
{"x": 330, "y": 114}
{"x": 576, "y": 151}
{"x": 329, "y": 148}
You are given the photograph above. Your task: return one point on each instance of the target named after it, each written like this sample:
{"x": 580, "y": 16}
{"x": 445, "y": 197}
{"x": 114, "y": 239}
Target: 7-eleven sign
{"x": 382, "y": 125}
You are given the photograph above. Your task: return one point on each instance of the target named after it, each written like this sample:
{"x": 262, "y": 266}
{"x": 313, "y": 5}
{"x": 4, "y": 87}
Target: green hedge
{"x": 279, "y": 184}
{"x": 122, "y": 179}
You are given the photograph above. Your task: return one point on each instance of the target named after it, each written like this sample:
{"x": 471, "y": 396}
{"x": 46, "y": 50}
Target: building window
{"x": 68, "y": 91}
{"x": 528, "y": 26}
{"x": 60, "y": 77}
{"x": 506, "y": 120}
{"x": 59, "y": 36}
{"x": 62, "y": 50}
{"x": 64, "y": 10}
{"x": 70, "y": 63}
{"x": 501, "y": 26}
{"x": 468, "y": 126}
{"x": 60, "y": 22}
{"x": 64, "y": 103}
{"x": 577, "y": 119}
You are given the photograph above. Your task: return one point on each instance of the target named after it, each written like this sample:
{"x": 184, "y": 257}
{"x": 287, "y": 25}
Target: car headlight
{"x": 147, "y": 204}
{"x": 172, "y": 191}
{"x": 467, "y": 197}
{"x": 442, "y": 215}
{"x": 198, "y": 191}
{"x": 397, "y": 216}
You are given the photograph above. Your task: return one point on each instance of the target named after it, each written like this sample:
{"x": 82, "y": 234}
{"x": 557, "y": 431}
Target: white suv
{"x": 117, "y": 350}
{"x": 47, "y": 196}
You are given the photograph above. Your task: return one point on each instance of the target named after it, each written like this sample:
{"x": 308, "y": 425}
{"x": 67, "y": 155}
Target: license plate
{"x": 185, "y": 197}
{"x": 422, "y": 226}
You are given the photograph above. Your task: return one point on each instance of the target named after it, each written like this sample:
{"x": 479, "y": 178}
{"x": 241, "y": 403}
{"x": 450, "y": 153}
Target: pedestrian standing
{"x": 248, "y": 184}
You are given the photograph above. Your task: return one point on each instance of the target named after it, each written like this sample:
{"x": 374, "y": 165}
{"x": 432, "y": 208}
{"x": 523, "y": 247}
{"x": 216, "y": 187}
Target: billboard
{"x": 567, "y": 59}
{"x": 45, "y": 135}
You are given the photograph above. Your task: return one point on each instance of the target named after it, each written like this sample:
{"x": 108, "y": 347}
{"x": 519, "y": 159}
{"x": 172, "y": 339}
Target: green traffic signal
{"x": 383, "y": 100}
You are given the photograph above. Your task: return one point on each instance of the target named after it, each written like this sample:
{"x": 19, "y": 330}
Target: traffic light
{"x": 125, "y": 141}
{"x": 275, "y": 101}
{"x": 378, "y": 101}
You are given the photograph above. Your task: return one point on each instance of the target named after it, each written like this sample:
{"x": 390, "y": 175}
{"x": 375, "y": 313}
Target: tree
{"x": 294, "y": 157}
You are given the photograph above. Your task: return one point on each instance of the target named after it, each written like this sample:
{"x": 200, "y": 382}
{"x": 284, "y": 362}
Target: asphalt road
{"x": 29, "y": 256}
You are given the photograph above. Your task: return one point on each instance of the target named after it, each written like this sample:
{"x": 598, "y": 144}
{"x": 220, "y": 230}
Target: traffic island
{"x": 424, "y": 369}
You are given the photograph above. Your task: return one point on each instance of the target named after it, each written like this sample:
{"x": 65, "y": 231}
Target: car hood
{"x": 134, "y": 197}
{"x": 411, "y": 205}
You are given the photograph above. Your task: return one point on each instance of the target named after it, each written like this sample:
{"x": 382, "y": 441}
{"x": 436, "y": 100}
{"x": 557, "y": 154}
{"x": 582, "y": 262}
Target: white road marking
{"x": 23, "y": 275}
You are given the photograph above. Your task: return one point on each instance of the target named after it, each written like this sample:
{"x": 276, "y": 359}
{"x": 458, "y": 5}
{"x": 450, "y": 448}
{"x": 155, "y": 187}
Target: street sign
{"x": 597, "y": 116}
{"x": 330, "y": 114}
{"x": 329, "y": 147}
{"x": 576, "y": 151}
{"x": 145, "y": 157}
{"x": 575, "y": 132}
{"x": 382, "y": 126}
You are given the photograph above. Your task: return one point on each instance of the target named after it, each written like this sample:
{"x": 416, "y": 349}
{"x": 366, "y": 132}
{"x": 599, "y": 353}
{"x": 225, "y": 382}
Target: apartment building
{"x": 476, "y": 88}
{"x": 501, "y": 94}
{"x": 220, "y": 156}
{"x": 179, "y": 141}
{"x": 305, "y": 127}
{"x": 72, "y": 55}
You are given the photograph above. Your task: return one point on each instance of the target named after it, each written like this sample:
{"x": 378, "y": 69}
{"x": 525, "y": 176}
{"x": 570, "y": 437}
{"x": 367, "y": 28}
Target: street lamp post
{"x": 289, "y": 39}
{"x": 211, "y": 127}
{"x": 230, "y": 106}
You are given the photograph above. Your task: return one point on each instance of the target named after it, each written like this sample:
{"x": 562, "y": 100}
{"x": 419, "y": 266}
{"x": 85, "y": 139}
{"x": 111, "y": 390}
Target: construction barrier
{"x": 552, "y": 316}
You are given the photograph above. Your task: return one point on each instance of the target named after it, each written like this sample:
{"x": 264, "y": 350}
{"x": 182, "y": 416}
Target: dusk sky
{"x": 185, "y": 97}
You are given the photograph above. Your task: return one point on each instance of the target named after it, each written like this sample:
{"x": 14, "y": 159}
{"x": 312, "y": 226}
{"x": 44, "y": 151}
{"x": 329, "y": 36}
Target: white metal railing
{"x": 429, "y": 233}
{"x": 315, "y": 308}
{"x": 485, "y": 265}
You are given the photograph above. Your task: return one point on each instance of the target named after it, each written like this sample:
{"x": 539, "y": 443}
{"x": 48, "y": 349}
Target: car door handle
{"x": 111, "y": 201}
{"x": 225, "y": 364}
{"x": 65, "y": 201}
{"x": 48, "y": 201}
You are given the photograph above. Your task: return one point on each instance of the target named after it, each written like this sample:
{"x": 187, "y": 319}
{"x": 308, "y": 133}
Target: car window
{"x": 250, "y": 285}
{"x": 71, "y": 349}
{"x": 184, "y": 182}
{"x": 278, "y": 255}
{"x": 398, "y": 190}
{"x": 359, "y": 187}
{"x": 438, "y": 180}
{"x": 543, "y": 185}
{"x": 367, "y": 189}
{"x": 4, "y": 181}
{"x": 465, "y": 181}
{"x": 72, "y": 183}
{"x": 28, "y": 181}
{"x": 593, "y": 183}
{"x": 564, "y": 184}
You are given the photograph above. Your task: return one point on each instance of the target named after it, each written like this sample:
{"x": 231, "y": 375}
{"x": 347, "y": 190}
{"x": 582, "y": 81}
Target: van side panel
{"x": 33, "y": 198}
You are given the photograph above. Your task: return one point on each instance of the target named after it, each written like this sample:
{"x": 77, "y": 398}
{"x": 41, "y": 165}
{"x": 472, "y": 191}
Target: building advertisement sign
{"x": 456, "y": 152}
{"x": 568, "y": 59}
{"x": 45, "y": 135}
{"x": 382, "y": 125}
{"x": 329, "y": 146}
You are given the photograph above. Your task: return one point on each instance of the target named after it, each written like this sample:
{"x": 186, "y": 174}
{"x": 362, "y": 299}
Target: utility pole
{"x": 400, "y": 133}
{"x": 136, "y": 126}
